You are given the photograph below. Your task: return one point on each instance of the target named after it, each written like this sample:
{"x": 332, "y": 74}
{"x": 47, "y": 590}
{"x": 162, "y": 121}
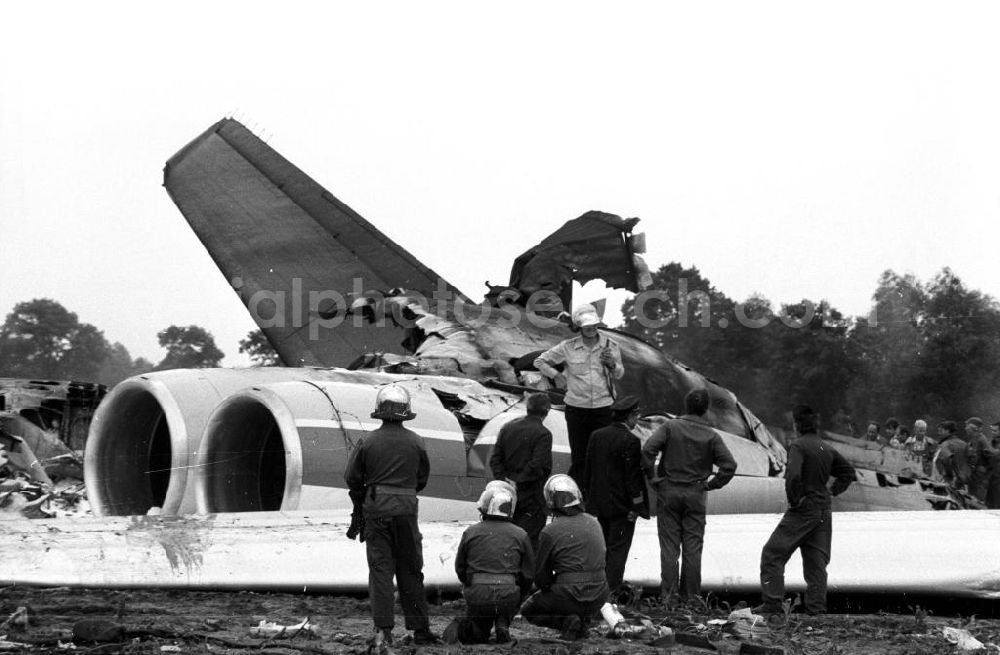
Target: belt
{"x": 492, "y": 578}
{"x": 390, "y": 490}
{"x": 693, "y": 483}
{"x": 569, "y": 577}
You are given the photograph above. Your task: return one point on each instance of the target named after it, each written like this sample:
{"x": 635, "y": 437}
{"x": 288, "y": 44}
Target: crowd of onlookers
{"x": 967, "y": 458}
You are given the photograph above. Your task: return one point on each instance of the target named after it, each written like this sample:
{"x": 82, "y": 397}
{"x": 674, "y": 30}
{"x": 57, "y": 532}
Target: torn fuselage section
{"x": 597, "y": 245}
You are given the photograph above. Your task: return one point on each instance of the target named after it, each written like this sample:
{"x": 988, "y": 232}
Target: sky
{"x": 790, "y": 149}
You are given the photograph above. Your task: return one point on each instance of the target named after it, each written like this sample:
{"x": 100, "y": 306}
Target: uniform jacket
{"x": 811, "y": 463}
{"x": 523, "y": 453}
{"x": 613, "y": 484}
{"x": 952, "y": 461}
{"x": 392, "y": 457}
{"x": 493, "y": 546}
{"x": 572, "y": 544}
{"x": 587, "y": 383}
{"x": 690, "y": 448}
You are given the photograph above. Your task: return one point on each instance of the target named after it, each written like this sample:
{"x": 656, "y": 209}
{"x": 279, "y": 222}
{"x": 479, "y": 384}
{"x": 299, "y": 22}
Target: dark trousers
{"x": 993, "y": 492}
{"x": 680, "y": 524}
{"x": 529, "y": 514}
{"x": 486, "y": 605}
{"x": 395, "y": 548}
{"x": 807, "y": 527}
{"x": 618, "y": 532}
{"x": 580, "y": 422}
{"x": 551, "y": 607}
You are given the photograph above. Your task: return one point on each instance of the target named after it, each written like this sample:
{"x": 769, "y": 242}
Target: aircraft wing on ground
{"x": 296, "y": 255}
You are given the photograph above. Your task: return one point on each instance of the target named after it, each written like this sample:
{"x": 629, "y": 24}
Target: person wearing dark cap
{"x": 982, "y": 458}
{"x": 806, "y": 525}
{"x": 690, "y": 447}
{"x": 614, "y": 488}
{"x": 522, "y": 456}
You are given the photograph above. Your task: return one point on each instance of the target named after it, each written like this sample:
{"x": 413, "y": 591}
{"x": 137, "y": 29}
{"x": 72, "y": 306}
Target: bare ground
{"x": 157, "y": 621}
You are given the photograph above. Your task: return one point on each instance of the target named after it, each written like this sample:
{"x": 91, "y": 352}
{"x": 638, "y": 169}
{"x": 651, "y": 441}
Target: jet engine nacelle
{"x": 145, "y": 435}
{"x": 286, "y": 445}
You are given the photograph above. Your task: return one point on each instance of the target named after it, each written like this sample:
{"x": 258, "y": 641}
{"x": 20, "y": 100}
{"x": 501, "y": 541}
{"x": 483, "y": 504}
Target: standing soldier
{"x": 806, "y": 524}
{"x": 613, "y": 485}
{"x": 592, "y": 364}
{"x": 386, "y": 470}
{"x": 951, "y": 463}
{"x": 523, "y": 457}
{"x": 993, "y": 493}
{"x": 689, "y": 447}
{"x": 982, "y": 458}
{"x": 569, "y": 569}
{"x": 496, "y": 565}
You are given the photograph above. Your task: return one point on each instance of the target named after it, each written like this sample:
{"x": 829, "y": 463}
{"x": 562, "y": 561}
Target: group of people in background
{"x": 967, "y": 458}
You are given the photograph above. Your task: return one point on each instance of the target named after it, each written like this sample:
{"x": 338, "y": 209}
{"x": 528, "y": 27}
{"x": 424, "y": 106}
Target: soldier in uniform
{"x": 496, "y": 565}
{"x": 806, "y": 524}
{"x": 690, "y": 448}
{"x": 523, "y": 457}
{"x": 613, "y": 485}
{"x": 386, "y": 470}
{"x": 569, "y": 571}
{"x": 951, "y": 463}
{"x": 982, "y": 458}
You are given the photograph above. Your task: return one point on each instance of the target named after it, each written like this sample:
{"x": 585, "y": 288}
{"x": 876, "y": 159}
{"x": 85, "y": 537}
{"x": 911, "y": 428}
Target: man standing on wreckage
{"x": 385, "y": 471}
{"x": 592, "y": 365}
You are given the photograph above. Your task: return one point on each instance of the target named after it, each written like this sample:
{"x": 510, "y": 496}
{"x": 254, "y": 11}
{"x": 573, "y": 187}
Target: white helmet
{"x": 498, "y": 500}
{"x": 585, "y": 316}
{"x": 561, "y": 492}
{"x": 393, "y": 404}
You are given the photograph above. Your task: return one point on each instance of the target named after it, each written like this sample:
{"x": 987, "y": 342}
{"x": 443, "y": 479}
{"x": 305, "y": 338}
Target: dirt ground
{"x": 219, "y": 622}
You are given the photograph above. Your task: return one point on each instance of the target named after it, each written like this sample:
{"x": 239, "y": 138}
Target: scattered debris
{"x": 271, "y": 630}
{"x": 747, "y": 625}
{"x": 964, "y": 640}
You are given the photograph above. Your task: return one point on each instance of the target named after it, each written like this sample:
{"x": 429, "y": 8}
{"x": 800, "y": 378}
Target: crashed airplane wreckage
{"x": 329, "y": 289}
{"x": 215, "y": 451}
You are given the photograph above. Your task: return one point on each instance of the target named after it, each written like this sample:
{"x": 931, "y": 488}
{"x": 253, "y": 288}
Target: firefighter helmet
{"x": 498, "y": 500}
{"x": 561, "y": 492}
{"x": 393, "y": 404}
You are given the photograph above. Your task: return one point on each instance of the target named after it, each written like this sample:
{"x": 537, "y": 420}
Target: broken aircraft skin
{"x": 329, "y": 289}
{"x": 52, "y": 417}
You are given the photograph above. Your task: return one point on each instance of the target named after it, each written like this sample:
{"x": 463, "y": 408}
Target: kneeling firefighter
{"x": 385, "y": 472}
{"x": 570, "y": 564}
{"x": 496, "y": 565}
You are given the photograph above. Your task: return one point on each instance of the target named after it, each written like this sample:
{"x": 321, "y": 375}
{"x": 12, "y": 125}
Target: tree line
{"x": 42, "y": 339}
{"x": 927, "y": 350}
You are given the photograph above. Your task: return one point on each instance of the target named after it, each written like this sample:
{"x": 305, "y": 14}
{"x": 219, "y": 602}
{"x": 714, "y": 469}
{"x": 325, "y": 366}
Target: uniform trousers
{"x": 486, "y": 605}
{"x": 529, "y": 515}
{"x": 618, "y": 532}
{"x": 807, "y": 527}
{"x": 680, "y": 525}
{"x": 580, "y": 423}
{"x": 551, "y": 607}
{"x": 395, "y": 548}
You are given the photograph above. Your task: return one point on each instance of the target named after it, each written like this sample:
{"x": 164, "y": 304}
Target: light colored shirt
{"x": 588, "y": 381}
